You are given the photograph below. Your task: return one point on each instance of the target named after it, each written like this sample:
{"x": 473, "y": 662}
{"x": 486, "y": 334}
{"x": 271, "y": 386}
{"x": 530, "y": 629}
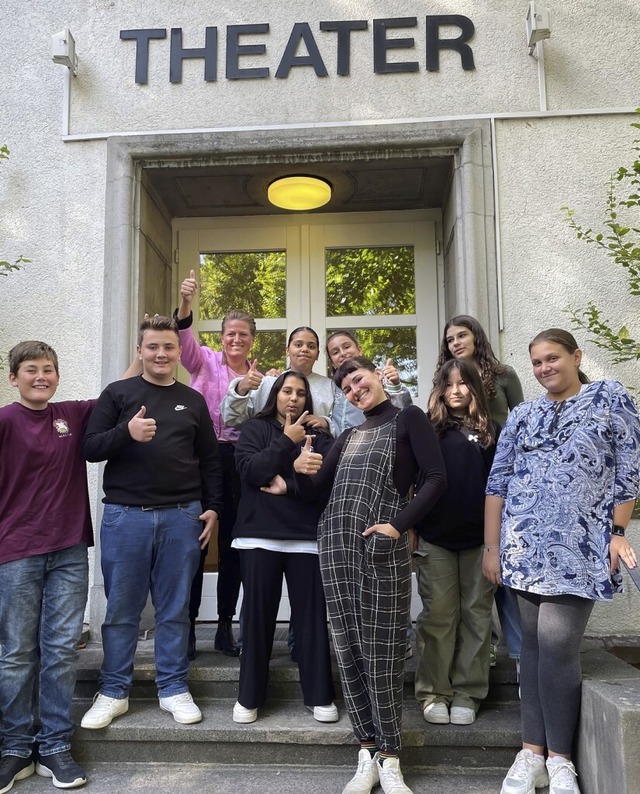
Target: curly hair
{"x": 484, "y": 357}
{"x": 478, "y": 417}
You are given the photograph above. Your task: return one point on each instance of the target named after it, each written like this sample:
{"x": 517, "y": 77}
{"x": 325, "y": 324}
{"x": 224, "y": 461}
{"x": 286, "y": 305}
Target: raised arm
{"x": 236, "y": 408}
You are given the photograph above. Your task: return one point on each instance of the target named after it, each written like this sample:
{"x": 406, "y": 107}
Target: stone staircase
{"x": 285, "y": 750}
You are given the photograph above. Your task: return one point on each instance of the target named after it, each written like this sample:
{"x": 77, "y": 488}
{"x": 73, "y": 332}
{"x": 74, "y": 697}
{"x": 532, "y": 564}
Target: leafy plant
{"x": 7, "y": 267}
{"x": 620, "y": 239}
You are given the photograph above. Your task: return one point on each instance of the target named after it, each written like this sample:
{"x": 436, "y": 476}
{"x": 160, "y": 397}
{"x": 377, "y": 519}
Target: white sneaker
{"x": 325, "y": 713}
{"x": 562, "y": 776}
{"x": 436, "y": 713}
{"x": 462, "y": 715}
{"x": 391, "y": 778}
{"x": 104, "y": 710}
{"x": 528, "y": 772}
{"x": 241, "y": 714}
{"x": 366, "y": 776}
{"x": 182, "y": 707}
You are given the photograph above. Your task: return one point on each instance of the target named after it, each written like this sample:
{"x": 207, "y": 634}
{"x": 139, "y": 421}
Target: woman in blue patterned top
{"x": 560, "y": 495}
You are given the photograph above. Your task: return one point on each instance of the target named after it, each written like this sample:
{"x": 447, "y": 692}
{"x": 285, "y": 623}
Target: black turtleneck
{"x": 418, "y": 462}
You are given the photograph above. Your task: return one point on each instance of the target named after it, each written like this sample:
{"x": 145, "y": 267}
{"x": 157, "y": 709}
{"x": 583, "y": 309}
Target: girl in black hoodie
{"x": 276, "y": 536}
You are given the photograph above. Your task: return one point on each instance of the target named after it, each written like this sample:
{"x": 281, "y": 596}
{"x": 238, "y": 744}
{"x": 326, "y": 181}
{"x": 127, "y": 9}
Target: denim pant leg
{"x": 63, "y": 604}
{"x": 21, "y": 586}
{"x": 509, "y": 614}
{"x": 42, "y": 602}
{"x": 127, "y": 553}
{"x": 176, "y": 558}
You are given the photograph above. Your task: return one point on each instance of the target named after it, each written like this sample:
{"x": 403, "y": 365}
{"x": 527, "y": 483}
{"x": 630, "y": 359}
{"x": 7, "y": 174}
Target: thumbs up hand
{"x": 308, "y": 462}
{"x": 188, "y": 287}
{"x": 140, "y": 428}
{"x": 251, "y": 380}
{"x": 390, "y": 373}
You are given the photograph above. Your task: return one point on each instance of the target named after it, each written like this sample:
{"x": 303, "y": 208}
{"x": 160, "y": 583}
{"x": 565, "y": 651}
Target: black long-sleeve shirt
{"x": 263, "y": 451}
{"x": 180, "y": 464}
{"x": 418, "y": 463}
{"x": 456, "y": 521}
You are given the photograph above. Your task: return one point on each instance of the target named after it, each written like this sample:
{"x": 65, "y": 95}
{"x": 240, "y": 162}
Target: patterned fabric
{"x": 561, "y": 467}
{"x": 367, "y": 585}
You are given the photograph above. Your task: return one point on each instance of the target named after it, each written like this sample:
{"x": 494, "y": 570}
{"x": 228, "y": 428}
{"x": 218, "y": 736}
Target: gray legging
{"x": 550, "y": 674}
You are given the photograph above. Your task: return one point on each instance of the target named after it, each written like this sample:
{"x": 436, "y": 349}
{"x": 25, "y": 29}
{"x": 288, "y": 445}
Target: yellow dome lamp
{"x": 299, "y": 193}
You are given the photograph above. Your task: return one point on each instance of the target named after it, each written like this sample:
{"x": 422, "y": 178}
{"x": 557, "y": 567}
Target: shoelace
{"x": 64, "y": 760}
{"x": 183, "y": 697}
{"x": 562, "y": 775}
{"x": 520, "y": 768}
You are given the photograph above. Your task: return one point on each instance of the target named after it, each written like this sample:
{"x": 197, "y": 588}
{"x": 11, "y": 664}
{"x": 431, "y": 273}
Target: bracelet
{"x": 488, "y": 548}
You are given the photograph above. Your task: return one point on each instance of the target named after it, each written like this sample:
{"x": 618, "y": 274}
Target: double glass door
{"x": 374, "y": 274}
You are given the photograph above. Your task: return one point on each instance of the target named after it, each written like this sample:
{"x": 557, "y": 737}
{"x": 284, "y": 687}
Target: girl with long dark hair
{"x": 454, "y": 628}
{"x": 276, "y": 537}
{"x": 465, "y": 339}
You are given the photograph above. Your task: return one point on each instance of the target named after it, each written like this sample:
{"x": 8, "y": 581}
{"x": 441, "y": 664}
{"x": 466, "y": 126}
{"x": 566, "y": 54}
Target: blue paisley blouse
{"x": 561, "y": 467}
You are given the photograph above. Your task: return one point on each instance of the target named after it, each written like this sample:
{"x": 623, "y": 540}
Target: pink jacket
{"x": 211, "y": 377}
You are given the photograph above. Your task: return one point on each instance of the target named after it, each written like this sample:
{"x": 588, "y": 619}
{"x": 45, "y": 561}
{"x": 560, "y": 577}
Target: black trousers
{"x": 228, "y": 558}
{"x": 262, "y": 573}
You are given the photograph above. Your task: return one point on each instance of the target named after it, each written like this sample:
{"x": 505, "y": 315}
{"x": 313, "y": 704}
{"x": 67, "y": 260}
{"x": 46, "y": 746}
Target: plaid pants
{"x": 367, "y": 584}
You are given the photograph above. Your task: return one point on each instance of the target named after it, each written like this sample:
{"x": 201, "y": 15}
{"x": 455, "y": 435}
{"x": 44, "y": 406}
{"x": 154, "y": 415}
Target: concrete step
{"x": 167, "y": 778}
{"x": 214, "y": 675}
{"x": 286, "y": 733}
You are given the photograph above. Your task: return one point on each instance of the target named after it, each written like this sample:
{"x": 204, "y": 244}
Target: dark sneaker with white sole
{"x": 63, "y": 769}
{"x": 13, "y": 768}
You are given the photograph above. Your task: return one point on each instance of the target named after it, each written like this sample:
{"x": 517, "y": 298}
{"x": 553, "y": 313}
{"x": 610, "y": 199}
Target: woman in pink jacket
{"x": 211, "y": 372}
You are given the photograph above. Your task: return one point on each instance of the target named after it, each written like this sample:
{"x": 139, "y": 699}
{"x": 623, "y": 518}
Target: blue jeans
{"x": 509, "y": 614}
{"x": 42, "y": 602}
{"x": 146, "y": 551}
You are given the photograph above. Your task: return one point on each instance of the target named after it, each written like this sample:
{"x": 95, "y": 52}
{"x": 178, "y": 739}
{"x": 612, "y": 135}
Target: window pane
{"x": 268, "y": 348}
{"x": 253, "y": 281}
{"x": 370, "y": 281}
{"x": 399, "y": 344}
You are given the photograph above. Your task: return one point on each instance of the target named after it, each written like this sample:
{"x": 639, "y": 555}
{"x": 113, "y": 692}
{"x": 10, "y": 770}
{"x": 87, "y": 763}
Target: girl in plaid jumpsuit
{"x": 365, "y": 558}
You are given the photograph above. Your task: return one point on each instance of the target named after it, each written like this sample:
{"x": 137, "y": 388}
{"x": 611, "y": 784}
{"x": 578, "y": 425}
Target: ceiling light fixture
{"x": 299, "y": 193}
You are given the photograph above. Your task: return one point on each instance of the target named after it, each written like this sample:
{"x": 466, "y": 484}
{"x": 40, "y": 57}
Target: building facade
{"x": 444, "y": 140}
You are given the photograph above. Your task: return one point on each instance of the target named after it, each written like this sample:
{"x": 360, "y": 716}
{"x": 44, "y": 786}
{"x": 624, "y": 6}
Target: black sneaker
{"x": 13, "y": 768}
{"x": 63, "y": 769}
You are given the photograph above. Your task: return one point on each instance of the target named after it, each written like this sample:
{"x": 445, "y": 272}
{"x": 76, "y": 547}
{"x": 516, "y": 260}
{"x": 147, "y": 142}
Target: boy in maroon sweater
{"x": 45, "y": 529}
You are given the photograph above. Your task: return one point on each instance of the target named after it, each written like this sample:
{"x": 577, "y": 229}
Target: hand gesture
{"x": 308, "y": 462}
{"x": 317, "y": 423}
{"x": 295, "y": 430}
{"x": 251, "y": 380}
{"x": 140, "y": 428}
{"x": 277, "y": 486}
{"x": 210, "y": 518}
{"x": 188, "y": 287}
{"x": 273, "y": 372}
{"x": 382, "y": 529}
{"x": 390, "y": 373}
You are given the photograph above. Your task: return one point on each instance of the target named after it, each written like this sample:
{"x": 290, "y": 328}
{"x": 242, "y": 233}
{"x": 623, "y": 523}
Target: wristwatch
{"x": 618, "y": 530}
